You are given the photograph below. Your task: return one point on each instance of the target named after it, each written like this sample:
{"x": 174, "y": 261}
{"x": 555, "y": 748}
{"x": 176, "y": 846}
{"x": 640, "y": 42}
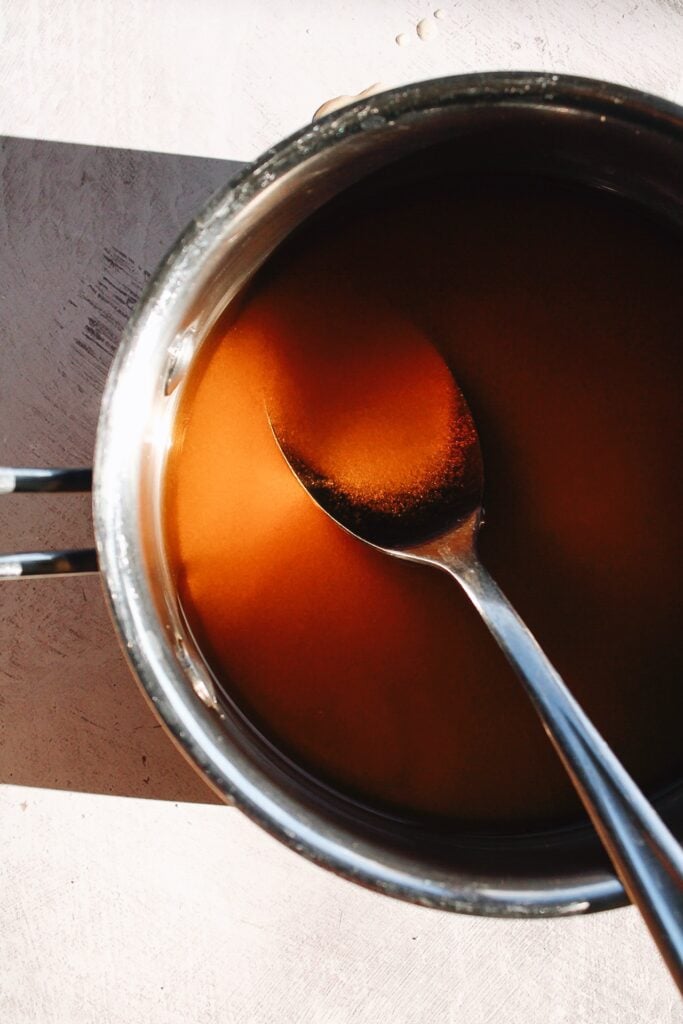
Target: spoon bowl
{"x": 403, "y": 520}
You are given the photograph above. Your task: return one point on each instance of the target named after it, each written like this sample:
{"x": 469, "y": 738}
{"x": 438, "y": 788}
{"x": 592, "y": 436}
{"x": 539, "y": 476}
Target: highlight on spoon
{"x": 405, "y": 466}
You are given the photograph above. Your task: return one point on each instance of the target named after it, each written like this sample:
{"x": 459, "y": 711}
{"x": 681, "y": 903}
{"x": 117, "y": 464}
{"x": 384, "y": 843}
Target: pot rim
{"x": 195, "y": 728}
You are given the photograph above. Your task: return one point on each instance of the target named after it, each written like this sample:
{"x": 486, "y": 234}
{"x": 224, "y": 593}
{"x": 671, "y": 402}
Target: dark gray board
{"x": 81, "y": 229}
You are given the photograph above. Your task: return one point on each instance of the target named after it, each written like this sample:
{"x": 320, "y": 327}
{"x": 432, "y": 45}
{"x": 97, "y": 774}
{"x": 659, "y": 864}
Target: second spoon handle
{"x": 647, "y": 857}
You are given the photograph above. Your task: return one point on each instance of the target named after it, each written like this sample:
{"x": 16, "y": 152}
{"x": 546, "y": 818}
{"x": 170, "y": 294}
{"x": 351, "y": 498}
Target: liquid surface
{"x": 559, "y": 311}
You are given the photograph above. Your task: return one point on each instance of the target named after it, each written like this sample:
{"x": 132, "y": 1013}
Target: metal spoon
{"x": 440, "y": 528}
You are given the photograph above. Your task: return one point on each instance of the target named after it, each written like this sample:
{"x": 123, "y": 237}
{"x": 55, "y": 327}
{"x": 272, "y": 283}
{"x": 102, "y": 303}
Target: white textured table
{"x": 119, "y": 909}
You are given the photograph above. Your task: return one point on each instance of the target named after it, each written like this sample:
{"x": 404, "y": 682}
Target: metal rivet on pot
{"x": 180, "y": 354}
{"x": 201, "y": 681}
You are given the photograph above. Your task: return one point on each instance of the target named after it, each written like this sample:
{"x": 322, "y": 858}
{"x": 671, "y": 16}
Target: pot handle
{"x": 46, "y": 563}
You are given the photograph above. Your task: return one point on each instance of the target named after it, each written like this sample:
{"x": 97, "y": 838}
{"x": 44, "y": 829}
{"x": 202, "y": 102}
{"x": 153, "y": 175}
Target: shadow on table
{"x": 80, "y": 230}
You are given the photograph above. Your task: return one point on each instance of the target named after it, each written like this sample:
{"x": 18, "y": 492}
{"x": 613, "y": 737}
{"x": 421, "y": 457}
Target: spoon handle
{"x": 647, "y": 857}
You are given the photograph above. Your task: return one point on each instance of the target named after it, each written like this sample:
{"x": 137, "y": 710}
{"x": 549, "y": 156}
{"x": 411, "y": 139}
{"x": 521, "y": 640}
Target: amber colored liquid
{"x": 560, "y": 311}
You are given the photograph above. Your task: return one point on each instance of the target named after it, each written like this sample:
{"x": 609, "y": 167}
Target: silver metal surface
{"x": 647, "y": 857}
{"x": 552, "y": 873}
{"x": 22, "y": 481}
{"x": 41, "y": 564}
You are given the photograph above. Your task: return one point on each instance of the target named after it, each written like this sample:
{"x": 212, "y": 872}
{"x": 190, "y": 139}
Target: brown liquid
{"x": 560, "y": 312}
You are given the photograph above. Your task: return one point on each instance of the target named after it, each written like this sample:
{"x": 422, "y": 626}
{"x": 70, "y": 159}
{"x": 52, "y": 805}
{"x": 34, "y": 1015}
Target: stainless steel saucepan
{"x": 577, "y": 129}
